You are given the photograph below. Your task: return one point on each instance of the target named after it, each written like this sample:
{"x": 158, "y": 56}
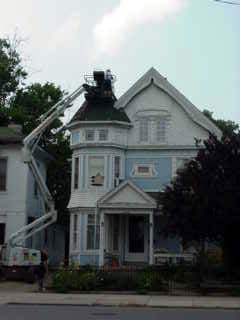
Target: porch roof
{"x": 127, "y": 195}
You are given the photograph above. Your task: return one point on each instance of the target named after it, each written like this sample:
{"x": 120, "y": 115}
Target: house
{"x": 20, "y": 200}
{"x": 124, "y": 152}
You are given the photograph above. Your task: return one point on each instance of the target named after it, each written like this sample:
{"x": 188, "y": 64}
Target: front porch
{"x": 126, "y": 226}
{"x": 127, "y": 239}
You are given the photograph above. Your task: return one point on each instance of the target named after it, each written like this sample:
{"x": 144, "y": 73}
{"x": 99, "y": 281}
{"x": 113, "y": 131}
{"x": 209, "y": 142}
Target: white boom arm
{"x": 30, "y": 143}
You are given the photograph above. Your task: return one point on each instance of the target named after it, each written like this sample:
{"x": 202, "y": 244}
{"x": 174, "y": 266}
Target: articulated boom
{"x": 30, "y": 142}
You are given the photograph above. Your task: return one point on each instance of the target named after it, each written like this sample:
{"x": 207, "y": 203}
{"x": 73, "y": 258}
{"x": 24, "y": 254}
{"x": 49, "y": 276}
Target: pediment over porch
{"x": 127, "y": 195}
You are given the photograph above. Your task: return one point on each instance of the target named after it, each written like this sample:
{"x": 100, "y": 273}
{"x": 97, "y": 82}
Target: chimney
{"x": 17, "y": 128}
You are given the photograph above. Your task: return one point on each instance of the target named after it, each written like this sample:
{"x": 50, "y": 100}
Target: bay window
{"x": 96, "y": 171}
{"x": 143, "y": 130}
{"x": 76, "y": 173}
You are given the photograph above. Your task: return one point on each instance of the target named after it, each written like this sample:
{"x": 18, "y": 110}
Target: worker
{"x": 42, "y": 270}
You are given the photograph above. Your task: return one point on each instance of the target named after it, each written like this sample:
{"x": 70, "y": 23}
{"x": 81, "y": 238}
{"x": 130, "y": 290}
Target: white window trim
{"x": 94, "y": 135}
{"x": 89, "y": 186}
{"x": 107, "y": 135}
{"x": 90, "y": 251}
{"x": 7, "y": 163}
{"x": 152, "y": 171}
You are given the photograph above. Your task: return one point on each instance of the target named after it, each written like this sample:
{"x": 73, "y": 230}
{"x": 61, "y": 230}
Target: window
{"x": 161, "y": 130}
{"x": 90, "y": 135}
{"x": 93, "y": 232}
{"x": 2, "y": 233}
{"x": 103, "y": 135}
{"x": 144, "y": 170}
{"x": 76, "y": 172}
{"x": 3, "y": 174}
{"x": 75, "y": 137}
{"x": 96, "y": 171}
{"x": 75, "y": 232}
{"x": 143, "y": 127}
{"x": 117, "y": 167}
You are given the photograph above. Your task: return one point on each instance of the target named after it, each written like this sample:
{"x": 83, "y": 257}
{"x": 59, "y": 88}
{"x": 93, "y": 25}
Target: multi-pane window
{"x": 103, "y": 135}
{"x": 3, "y": 174}
{"x": 89, "y": 135}
{"x": 75, "y": 232}
{"x": 161, "y": 130}
{"x": 76, "y": 173}
{"x": 143, "y": 130}
{"x": 93, "y": 232}
{"x": 96, "y": 171}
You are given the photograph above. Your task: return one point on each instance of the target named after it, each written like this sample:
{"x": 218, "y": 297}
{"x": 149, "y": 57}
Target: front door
{"x": 136, "y": 239}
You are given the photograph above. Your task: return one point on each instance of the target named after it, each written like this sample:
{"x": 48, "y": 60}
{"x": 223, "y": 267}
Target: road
{"x": 43, "y": 312}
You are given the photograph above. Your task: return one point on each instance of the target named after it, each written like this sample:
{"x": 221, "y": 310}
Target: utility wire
{"x": 228, "y": 2}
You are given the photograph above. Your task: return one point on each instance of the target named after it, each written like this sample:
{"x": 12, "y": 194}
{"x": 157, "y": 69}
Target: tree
{"x": 227, "y": 126}
{"x": 12, "y": 73}
{"x": 24, "y": 105}
{"x": 202, "y": 203}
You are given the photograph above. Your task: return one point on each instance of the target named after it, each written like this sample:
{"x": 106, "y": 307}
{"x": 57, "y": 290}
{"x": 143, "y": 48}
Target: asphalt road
{"x": 43, "y": 312}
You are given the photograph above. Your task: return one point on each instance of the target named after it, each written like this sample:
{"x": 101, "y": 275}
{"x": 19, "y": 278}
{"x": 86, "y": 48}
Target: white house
{"x": 20, "y": 200}
{"x": 124, "y": 152}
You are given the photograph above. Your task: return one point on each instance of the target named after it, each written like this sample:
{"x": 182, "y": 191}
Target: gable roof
{"x": 9, "y": 136}
{"x": 100, "y": 111}
{"x": 152, "y": 76}
{"x": 127, "y": 195}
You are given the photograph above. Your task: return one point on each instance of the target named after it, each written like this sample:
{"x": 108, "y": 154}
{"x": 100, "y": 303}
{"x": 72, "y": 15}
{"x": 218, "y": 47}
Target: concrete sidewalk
{"x": 119, "y": 300}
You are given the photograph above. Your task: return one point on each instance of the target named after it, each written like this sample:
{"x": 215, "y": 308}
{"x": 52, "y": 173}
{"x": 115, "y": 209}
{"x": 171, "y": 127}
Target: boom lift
{"x": 13, "y": 254}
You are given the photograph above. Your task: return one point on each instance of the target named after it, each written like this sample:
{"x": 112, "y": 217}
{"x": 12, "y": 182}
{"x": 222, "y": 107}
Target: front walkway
{"x": 8, "y": 297}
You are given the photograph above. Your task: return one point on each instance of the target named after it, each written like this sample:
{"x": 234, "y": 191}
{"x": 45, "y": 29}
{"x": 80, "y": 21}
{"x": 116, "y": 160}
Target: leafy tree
{"x": 227, "y": 126}
{"x": 12, "y": 73}
{"x": 202, "y": 203}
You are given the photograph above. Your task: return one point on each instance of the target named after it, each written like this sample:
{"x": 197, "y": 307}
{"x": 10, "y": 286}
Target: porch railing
{"x": 173, "y": 258}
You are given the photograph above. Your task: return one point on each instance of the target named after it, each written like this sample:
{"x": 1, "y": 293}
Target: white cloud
{"x": 67, "y": 34}
{"x": 115, "y": 26}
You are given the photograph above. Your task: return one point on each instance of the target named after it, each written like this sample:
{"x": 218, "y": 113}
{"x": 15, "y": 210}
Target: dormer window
{"x": 103, "y": 135}
{"x": 89, "y": 135}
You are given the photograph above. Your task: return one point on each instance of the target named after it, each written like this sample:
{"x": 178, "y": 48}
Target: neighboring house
{"x": 20, "y": 200}
{"x": 124, "y": 153}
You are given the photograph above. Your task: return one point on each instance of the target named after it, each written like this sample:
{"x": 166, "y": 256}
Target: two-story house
{"x": 124, "y": 152}
{"x": 20, "y": 200}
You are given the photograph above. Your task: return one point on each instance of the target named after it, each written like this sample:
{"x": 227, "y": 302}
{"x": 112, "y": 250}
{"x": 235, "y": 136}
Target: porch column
{"x": 151, "y": 226}
{"x": 101, "y": 244}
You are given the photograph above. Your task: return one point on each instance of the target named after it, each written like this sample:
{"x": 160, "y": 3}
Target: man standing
{"x": 43, "y": 269}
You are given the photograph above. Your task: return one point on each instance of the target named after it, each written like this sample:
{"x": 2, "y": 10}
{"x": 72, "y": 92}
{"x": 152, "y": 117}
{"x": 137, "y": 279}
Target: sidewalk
{"x": 118, "y": 300}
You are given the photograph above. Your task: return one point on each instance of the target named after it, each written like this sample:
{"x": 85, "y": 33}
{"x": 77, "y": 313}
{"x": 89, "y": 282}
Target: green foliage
{"x": 12, "y": 72}
{"x": 202, "y": 203}
{"x": 226, "y": 126}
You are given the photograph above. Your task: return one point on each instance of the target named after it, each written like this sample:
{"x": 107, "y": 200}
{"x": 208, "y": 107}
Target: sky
{"x": 194, "y": 43}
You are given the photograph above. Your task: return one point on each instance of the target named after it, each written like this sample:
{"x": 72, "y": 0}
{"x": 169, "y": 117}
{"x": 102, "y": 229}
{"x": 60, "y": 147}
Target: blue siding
{"x": 89, "y": 259}
{"x": 163, "y": 166}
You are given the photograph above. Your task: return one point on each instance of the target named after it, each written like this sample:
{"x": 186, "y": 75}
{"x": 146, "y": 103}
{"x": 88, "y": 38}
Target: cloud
{"x": 115, "y": 26}
{"x": 66, "y": 34}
